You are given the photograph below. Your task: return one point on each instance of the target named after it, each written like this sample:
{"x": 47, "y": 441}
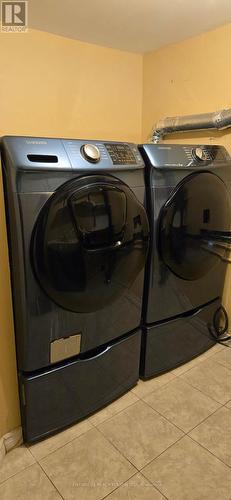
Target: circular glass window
{"x": 90, "y": 243}
{"x": 194, "y": 226}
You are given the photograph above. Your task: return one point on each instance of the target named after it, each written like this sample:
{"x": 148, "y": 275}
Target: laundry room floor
{"x": 169, "y": 437}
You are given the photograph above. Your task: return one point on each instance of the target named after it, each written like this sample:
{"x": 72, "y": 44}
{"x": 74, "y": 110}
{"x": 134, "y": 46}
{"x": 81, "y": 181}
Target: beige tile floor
{"x": 169, "y": 437}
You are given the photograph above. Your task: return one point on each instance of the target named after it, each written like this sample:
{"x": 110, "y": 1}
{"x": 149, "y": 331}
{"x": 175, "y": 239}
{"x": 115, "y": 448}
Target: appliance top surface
{"x": 184, "y": 156}
{"x": 40, "y": 153}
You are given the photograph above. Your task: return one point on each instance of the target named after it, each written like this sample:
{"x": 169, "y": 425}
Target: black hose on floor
{"x": 220, "y": 326}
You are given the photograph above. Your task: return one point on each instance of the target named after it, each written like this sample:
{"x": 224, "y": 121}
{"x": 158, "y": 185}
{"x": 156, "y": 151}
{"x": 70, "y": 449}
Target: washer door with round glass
{"x": 90, "y": 243}
{"x": 194, "y": 226}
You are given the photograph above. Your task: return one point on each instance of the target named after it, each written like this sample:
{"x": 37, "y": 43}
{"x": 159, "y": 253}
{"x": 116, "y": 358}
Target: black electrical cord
{"x": 217, "y": 331}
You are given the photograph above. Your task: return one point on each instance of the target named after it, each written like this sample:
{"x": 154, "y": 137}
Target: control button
{"x": 90, "y": 152}
{"x": 199, "y": 154}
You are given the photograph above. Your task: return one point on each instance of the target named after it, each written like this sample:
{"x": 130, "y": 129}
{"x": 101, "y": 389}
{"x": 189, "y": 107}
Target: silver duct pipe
{"x": 216, "y": 120}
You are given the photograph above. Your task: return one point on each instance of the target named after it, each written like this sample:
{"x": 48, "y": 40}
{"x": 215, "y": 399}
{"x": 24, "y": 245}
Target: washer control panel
{"x": 102, "y": 155}
{"x": 184, "y": 155}
{"x": 36, "y": 153}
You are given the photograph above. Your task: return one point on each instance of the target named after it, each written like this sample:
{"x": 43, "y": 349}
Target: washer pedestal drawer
{"x": 58, "y": 397}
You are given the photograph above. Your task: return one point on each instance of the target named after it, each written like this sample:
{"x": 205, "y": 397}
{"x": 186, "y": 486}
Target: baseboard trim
{"x": 2, "y": 450}
{"x": 9, "y": 441}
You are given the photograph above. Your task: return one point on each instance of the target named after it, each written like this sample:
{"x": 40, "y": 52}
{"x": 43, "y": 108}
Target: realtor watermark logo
{"x": 14, "y": 17}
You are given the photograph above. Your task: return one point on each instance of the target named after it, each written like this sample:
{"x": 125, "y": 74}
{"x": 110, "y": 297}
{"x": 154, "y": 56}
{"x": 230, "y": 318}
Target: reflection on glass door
{"x": 193, "y": 223}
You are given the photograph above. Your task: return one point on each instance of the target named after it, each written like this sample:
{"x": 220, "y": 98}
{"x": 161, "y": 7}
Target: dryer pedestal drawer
{"x": 59, "y": 397}
{"x": 172, "y": 343}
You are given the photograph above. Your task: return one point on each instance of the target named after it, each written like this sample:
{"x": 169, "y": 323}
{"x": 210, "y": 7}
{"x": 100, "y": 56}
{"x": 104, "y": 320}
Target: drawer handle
{"x": 92, "y": 357}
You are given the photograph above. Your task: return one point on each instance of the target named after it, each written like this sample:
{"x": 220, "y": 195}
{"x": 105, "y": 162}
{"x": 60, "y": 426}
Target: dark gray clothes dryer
{"x": 188, "y": 203}
{"x": 78, "y": 238}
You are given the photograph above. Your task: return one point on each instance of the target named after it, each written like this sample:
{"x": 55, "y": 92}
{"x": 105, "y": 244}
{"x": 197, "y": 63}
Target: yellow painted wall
{"x": 53, "y": 86}
{"x": 193, "y": 76}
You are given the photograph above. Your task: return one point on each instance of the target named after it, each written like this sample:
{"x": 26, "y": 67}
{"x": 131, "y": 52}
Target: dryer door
{"x": 90, "y": 243}
{"x": 194, "y": 226}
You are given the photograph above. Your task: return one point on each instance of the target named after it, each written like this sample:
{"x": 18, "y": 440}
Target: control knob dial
{"x": 199, "y": 154}
{"x": 91, "y": 153}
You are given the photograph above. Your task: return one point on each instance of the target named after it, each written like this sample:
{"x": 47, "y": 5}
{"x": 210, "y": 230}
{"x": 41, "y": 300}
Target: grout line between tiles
{"x": 201, "y": 392}
{"x": 147, "y": 479}
{"x": 117, "y": 449}
{"x": 123, "y": 453}
{"x": 51, "y": 481}
{"x": 93, "y": 428}
{"x": 164, "y": 417}
{"x": 117, "y": 413}
{"x": 27, "y": 467}
{"x": 189, "y": 368}
{"x": 221, "y": 364}
{"x": 218, "y": 362}
{"x": 111, "y": 443}
{"x": 209, "y": 451}
{"x": 197, "y": 362}
{"x": 38, "y": 460}
{"x": 208, "y": 354}
{"x": 139, "y": 470}
{"x": 204, "y": 393}
{"x": 15, "y": 474}
{"x": 204, "y": 420}
{"x": 158, "y": 456}
{"x": 135, "y": 472}
{"x": 173, "y": 423}
{"x": 117, "y": 487}
{"x": 196, "y": 442}
{"x": 157, "y": 388}
{"x": 28, "y": 449}
{"x": 207, "y": 395}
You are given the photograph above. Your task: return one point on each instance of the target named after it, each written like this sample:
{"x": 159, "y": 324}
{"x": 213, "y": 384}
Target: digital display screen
{"x": 121, "y": 154}
{"x": 216, "y": 153}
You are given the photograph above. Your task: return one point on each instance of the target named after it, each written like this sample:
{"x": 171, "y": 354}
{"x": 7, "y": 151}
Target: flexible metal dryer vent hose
{"x": 216, "y": 120}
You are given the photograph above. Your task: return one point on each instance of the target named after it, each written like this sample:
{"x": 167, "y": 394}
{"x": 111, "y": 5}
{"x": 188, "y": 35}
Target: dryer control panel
{"x": 180, "y": 156}
{"x": 36, "y": 153}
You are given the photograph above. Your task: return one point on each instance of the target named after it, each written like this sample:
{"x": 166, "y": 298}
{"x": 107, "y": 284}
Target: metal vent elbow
{"x": 217, "y": 120}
